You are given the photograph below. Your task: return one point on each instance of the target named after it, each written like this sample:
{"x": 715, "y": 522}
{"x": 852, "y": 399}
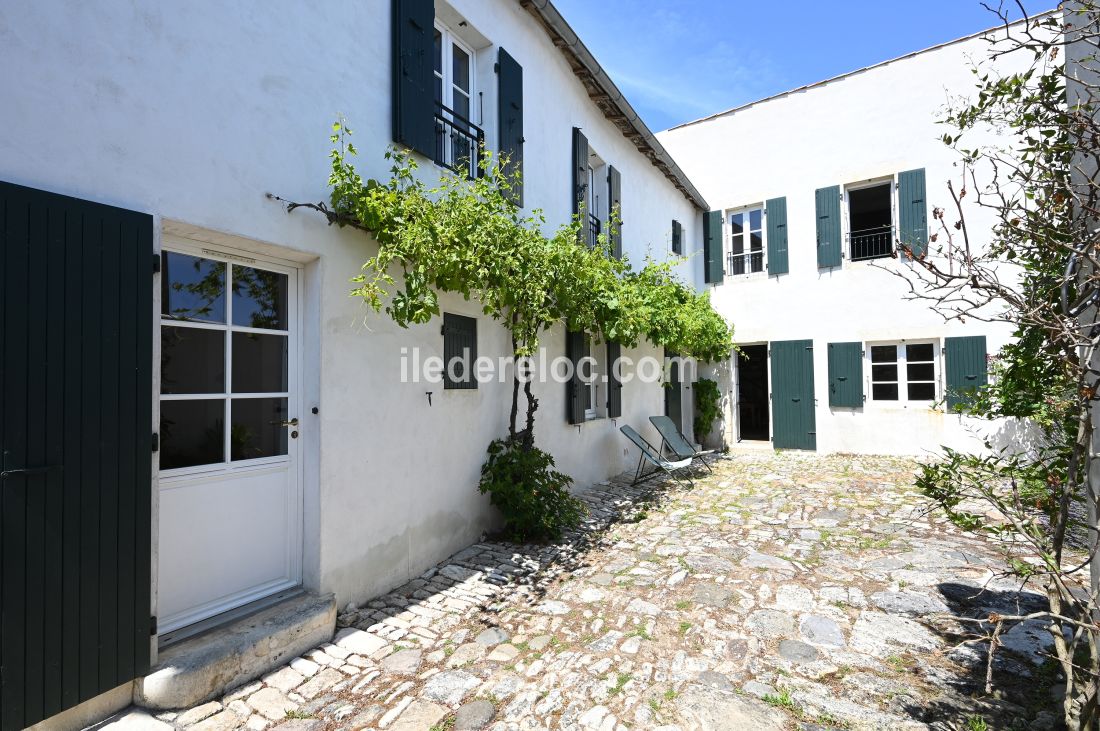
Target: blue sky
{"x": 678, "y": 60}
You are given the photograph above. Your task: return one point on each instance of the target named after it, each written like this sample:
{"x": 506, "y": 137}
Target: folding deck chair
{"x": 677, "y": 443}
{"x": 653, "y": 455}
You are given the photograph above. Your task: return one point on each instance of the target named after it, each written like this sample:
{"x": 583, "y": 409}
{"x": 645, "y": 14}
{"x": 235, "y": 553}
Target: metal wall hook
{"x": 429, "y": 395}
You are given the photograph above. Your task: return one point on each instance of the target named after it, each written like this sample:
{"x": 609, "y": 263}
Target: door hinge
{"x": 156, "y": 263}
{"x": 156, "y": 442}
{"x": 153, "y": 626}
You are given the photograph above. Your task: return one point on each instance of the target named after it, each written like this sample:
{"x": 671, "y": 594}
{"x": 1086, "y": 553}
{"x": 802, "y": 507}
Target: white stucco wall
{"x": 862, "y": 126}
{"x": 194, "y": 111}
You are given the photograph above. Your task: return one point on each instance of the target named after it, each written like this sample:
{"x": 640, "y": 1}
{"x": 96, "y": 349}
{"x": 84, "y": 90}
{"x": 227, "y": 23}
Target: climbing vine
{"x": 468, "y": 237}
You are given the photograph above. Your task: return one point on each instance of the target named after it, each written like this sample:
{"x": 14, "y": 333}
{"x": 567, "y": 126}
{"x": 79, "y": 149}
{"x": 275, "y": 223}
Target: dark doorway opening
{"x": 752, "y": 393}
{"x": 871, "y": 231}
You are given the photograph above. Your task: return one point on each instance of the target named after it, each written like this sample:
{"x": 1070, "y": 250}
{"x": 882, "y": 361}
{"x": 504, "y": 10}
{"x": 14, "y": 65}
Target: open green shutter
{"x": 580, "y": 182}
{"x": 614, "y": 385}
{"x": 965, "y": 361}
{"x": 510, "y": 120}
{"x": 413, "y": 75}
{"x": 576, "y": 347}
{"x": 776, "y": 211}
{"x": 912, "y": 211}
{"x": 846, "y": 374}
{"x": 677, "y": 238}
{"x": 828, "y": 226}
{"x": 712, "y": 247}
{"x": 614, "y": 201}
{"x": 76, "y": 449}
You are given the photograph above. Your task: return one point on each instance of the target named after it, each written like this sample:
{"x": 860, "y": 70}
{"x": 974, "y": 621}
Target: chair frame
{"x": 653, "y": 456}
{"x": 669, "y": 424}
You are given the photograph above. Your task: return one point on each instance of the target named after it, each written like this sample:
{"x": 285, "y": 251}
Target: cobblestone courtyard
{"x": 784, "y": 591}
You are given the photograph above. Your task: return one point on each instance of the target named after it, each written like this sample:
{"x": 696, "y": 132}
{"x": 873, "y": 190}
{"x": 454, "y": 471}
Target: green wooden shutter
{"x": 510, "y": 119}
{"x": 846, "y": 374}
{"x": 677, "y": 238}
{"x": 576, "y": 347}
{"x": 712, "y": 247}
{"x": 413, "y": 75}
{"x": 580, "y": 182}
{"x": 965, "y": 361}
{"x": 615, "y": 205}
{"x": 912, "y": 211}
{"x": 674, "y": 403}
{"x": 792, "y": 380}
{"x": 776, "y": 210}
{"x": 828, "y": 226}
{"x": 76, "y": 358}
{"x": 614, "y": 384}
{"x": 459, "y": 338}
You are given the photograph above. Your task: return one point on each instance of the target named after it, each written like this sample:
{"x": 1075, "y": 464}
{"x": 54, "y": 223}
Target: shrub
{"x": 532, "y": 496}
{"x": 707, "y": 410}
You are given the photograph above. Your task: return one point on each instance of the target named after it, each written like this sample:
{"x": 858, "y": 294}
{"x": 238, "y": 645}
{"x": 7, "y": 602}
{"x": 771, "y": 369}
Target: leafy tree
{"x": 1037, "y": 176}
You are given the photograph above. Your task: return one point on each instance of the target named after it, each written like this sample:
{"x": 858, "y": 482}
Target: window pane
{"x": 919, "y": 352}
{"x": 737, "y": 223}
{"x": 884, "y": 372}
{"x": 755, "y": 217}
{"x": 438, "y": 52}
{"x": 884, "y": 353}
{"x": 737, "y": 243}
{"x": 191, "y": 433}
{"x": 461, "y": 106}
{"x": 884, "y": 391}
{"x": 257, "y": 428}
{"x": 756, "y": 241}
{"x": 922, "y": 391}
{"x": 259, "y": 298}
{"x": 192, "y": 288}
{"x": 192, "y": 360}
{"x": 259, "y": 363}
{"x": 921, "y": 372}
{"x": 757, "y": 262}
{"x": 460, "y": 66}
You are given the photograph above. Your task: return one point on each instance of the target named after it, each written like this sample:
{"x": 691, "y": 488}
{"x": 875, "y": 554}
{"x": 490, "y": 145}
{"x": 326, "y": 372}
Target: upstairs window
{"x": 458, "y": 139}
{"x": 746, "y": 242}
{"x": 903, "y": 372}
{"x": 870, "y": 221}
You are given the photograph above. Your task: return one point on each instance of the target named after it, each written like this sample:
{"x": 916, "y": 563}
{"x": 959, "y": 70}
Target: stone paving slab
{"x": 785, "y": 591}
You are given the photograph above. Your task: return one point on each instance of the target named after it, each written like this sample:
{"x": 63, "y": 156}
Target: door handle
{"x": 292, "y": 422}
{"x": 30, "y": 471}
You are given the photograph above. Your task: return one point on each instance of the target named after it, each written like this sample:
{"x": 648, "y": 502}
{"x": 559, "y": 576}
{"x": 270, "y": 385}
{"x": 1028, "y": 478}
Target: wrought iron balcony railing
{"x": 594, "y": 228}
{"x": 458, "y": 142}
{"x": 871, "y": 243}
{"x": 746, "y": 262}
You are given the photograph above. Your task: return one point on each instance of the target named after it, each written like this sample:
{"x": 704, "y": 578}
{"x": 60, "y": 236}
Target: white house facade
{"x": 200, "y": 419}
{"x": 812, "y": 189}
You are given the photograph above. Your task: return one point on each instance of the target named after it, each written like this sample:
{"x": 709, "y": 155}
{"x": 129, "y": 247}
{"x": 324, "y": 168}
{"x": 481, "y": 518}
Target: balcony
{"x": 458, "y": 142}
{"x": 871, "y": 243}
{"x": 744, "y": 262}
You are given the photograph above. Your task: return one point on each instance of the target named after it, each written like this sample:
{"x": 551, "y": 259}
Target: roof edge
{"x": 846, "y": 74}
{"x": 607, "y": 97}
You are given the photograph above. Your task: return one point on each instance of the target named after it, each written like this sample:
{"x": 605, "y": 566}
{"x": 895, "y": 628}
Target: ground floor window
{"x": 903, "y": 372}
{"x": 592, "y": 373}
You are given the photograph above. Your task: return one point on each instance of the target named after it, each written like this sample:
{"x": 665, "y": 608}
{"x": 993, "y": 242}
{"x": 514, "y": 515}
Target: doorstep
{"x": 208, "y": 665}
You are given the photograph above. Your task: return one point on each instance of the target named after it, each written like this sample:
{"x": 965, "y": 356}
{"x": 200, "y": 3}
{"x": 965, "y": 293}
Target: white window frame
{"x": 903, "y": 400}
{"x": 846, "y": 249}
{"x": 593, "y": 409}
{"x": 727, "y": 241}
{"x": 448, "y": 40}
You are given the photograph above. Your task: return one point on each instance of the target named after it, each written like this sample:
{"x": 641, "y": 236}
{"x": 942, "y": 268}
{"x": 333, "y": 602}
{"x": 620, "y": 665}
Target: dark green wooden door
{"x": 793, "y": 420}
{"x": 75, "y": 439}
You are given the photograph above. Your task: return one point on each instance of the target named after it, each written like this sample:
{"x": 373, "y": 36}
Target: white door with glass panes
{"x": 230, "y": 507}
{"x": 746, "y": 248}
